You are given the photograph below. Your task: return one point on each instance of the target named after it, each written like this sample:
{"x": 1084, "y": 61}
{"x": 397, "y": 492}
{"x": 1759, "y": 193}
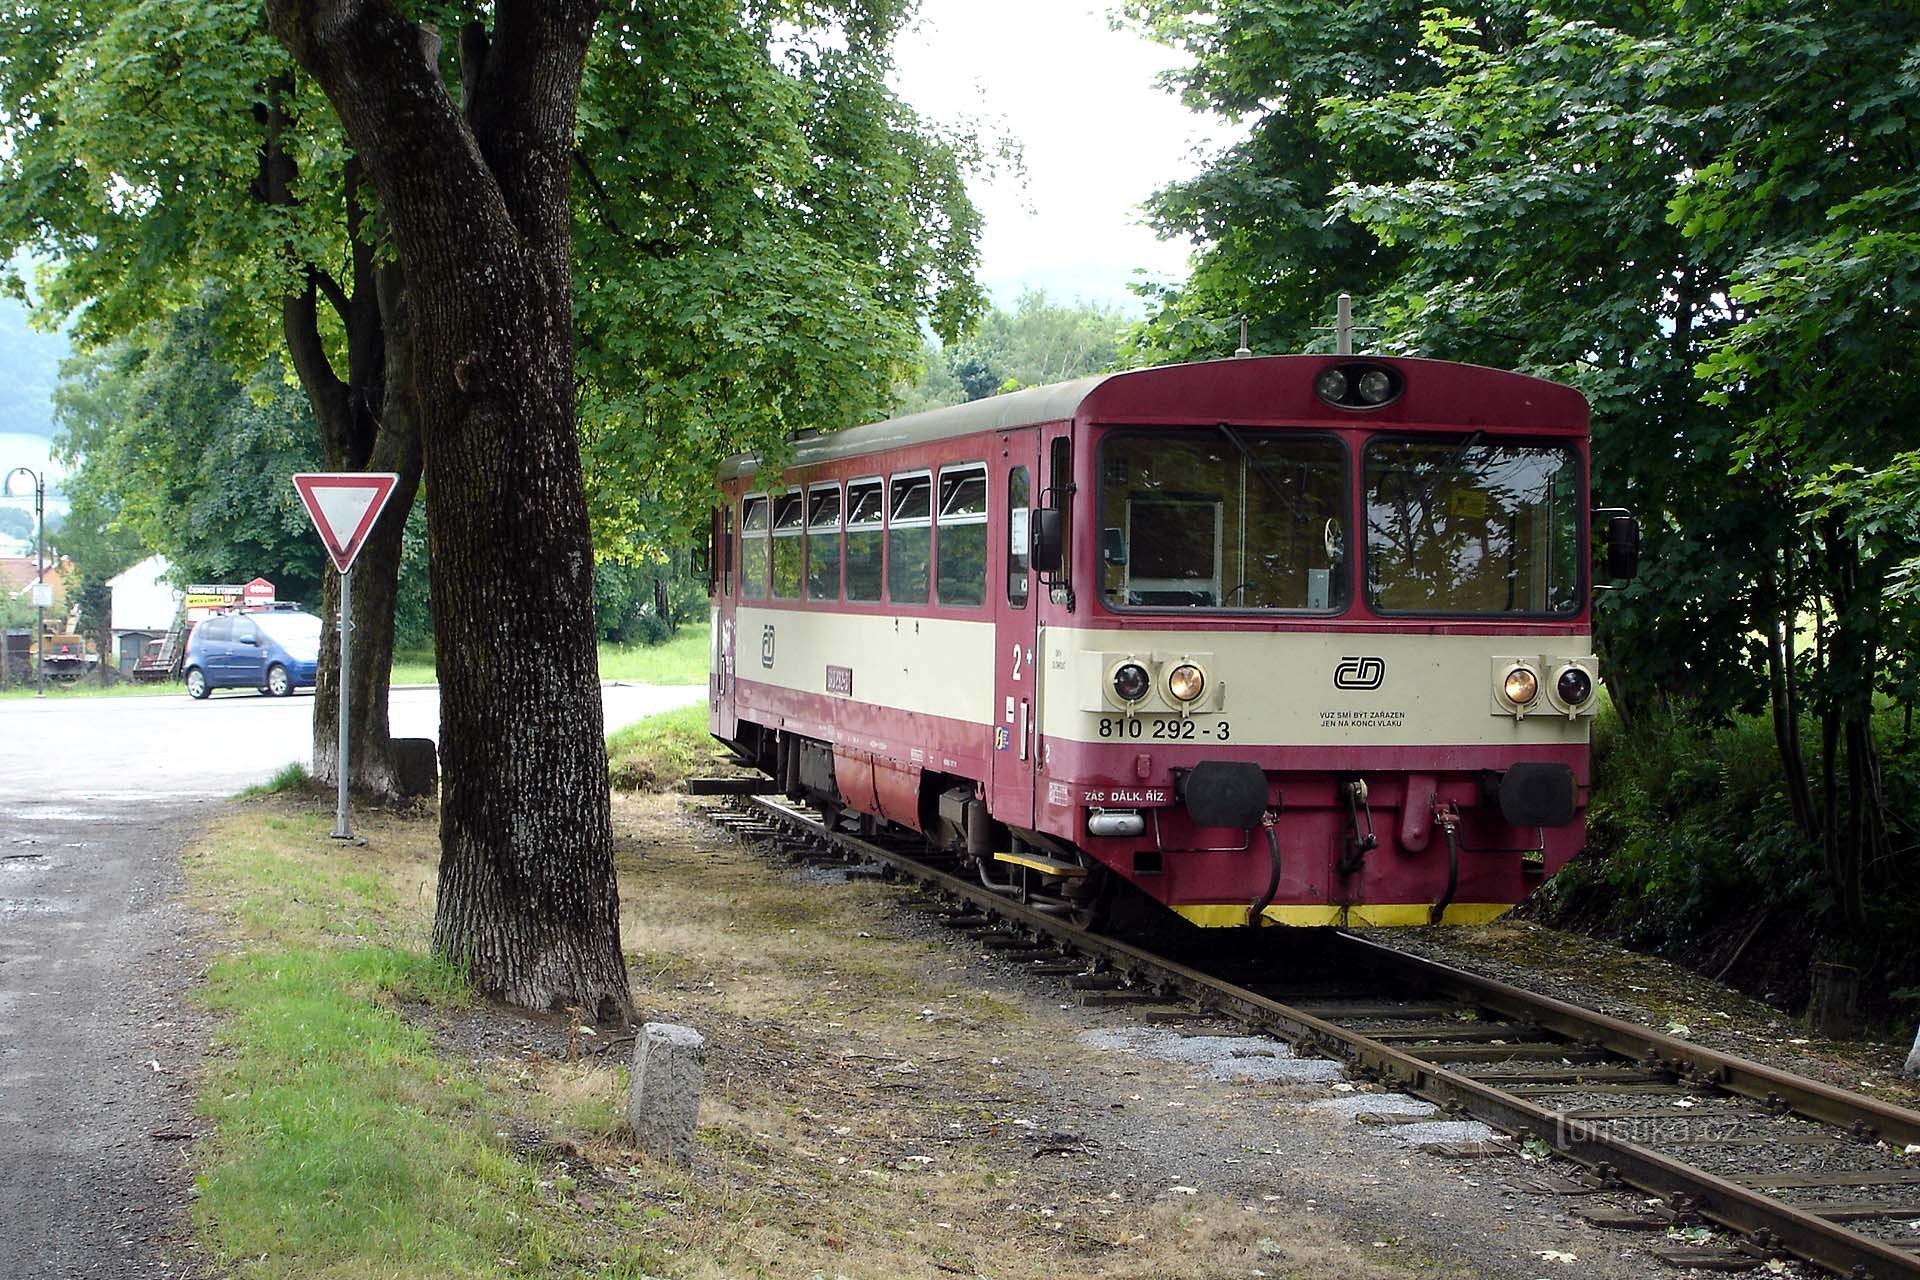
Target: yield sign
{"x": 344, "y": 505}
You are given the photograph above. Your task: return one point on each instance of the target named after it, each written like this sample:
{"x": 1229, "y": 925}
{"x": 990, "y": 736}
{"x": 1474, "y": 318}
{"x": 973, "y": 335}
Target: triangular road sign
{"x": 343, "y": 506}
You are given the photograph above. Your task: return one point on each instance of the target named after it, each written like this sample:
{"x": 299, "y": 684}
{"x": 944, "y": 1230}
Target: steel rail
{"x": 1768, "y": 1225}
{"x": 1866, "y": 1118}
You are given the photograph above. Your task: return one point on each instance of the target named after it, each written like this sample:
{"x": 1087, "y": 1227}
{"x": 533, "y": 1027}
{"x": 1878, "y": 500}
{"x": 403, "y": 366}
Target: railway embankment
{"x": 884, "y": 1098}
{"x": 1693, "y": 856}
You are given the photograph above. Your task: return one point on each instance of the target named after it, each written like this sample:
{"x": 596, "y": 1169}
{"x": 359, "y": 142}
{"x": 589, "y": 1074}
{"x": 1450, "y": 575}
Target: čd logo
{"x": 1359, "y": 673}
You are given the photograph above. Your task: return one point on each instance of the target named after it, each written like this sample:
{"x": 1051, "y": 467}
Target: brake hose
{"x": 1268, "y": 821}
{"x": 1447, "y": 818}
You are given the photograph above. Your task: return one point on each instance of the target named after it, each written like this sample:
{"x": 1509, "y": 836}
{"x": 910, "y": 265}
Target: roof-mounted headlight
{"x": 1359, "y": 385}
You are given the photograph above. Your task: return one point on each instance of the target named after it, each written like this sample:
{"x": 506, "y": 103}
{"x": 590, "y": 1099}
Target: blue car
{"x": 273, "y": 650}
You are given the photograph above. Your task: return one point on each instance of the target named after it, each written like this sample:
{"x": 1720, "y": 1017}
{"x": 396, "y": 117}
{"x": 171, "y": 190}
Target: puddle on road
{"x": 54, "y": 813}
{"x": 35, "y": 906}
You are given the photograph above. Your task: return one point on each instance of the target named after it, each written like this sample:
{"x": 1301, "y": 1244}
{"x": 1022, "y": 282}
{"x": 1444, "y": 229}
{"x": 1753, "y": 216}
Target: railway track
{"x": 1790, "y": 1167}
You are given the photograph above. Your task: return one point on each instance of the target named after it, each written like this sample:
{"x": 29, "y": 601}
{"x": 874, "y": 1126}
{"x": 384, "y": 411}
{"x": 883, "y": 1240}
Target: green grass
{"x": 292, "y": 777}
{"x": 343, "y": 1147}
{"x": 681, "y": 660}
{"x": 88, "y": 689}
{"x": 662, "y": 751}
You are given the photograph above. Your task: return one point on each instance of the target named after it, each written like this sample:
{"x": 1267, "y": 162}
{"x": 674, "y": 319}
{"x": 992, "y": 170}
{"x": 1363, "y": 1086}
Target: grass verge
{"x": 661, "y": 751}
{"x": 344, "y": 1147}
{"x": 681, "y": 660}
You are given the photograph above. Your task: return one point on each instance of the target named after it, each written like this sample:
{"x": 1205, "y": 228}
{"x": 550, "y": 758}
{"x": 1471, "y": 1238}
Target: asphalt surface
{"x": 143, "y": 749}
{"x": 99, "y": 1046}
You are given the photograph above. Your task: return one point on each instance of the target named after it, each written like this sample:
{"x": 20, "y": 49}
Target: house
{"x": 17, "y": 574}
{"x": 145, "y": 606}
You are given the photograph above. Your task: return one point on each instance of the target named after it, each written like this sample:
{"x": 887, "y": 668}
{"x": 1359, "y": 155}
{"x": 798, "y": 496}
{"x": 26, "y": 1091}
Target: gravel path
{"x": 100, "y": 1051}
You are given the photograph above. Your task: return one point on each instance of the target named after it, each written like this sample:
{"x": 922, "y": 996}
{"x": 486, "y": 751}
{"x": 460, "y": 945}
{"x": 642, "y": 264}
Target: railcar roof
{"x": 1466, "y": 396}
{"x": 1014, "y": 409}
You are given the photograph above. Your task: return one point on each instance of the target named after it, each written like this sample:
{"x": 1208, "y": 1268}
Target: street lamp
{"x": 41, "y": 596}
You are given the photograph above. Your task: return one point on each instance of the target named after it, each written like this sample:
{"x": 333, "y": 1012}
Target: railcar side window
{"x": 866, "y": 515}
{"x": 1222, "y": 518}
{"x": 961, "y": 568}
{"x": 789, "y": 523}
{"x": 726, "y": 541}
{"x": 909, "y": 537}
{"x": 1019, "y": 538}
{"x": 823, "y": 542}
{"x": 753, "y": 546}
{"x": 1472, "y": 526}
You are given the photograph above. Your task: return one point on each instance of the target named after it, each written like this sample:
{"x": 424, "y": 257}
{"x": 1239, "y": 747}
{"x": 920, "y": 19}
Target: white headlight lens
{"x": 1522, "y": 686}
{"x": 1131, "y": 682}
{"x": 1186, "y": 682}
{"x": 1331, "y": 385}
{"x": 1574, "y": 686}
{"x": 1375, "y": 386}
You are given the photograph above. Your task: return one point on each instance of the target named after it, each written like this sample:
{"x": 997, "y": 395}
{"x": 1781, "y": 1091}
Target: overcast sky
{"x": 1098, "y": 135}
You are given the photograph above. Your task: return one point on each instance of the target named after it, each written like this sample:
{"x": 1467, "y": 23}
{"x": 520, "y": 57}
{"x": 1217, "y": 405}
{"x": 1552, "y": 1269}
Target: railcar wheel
{"x": 1090, "y": 899}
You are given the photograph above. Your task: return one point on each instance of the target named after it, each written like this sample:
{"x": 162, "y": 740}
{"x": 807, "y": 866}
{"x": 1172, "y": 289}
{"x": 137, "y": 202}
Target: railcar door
{"x": 1015, "y": 611}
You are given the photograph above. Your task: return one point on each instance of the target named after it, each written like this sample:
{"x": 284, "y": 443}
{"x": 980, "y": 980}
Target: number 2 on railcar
{"x": 1299, "y": 640}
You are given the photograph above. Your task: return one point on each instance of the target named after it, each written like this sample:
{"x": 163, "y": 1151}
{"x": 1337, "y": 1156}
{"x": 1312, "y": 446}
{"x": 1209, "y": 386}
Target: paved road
{"x": 98, "y": 1046}
{"x": 144, "y": 748}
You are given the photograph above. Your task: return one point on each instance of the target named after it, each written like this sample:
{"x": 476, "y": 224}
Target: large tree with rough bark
{"x": 475, "y": 196}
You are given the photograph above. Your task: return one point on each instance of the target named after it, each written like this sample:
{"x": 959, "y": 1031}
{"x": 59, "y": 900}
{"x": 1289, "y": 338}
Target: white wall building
{"x": 144, "y": 607}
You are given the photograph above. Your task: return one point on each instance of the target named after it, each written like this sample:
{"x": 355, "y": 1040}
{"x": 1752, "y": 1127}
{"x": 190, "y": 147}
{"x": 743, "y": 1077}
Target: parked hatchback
{"x": 274, "y": 651}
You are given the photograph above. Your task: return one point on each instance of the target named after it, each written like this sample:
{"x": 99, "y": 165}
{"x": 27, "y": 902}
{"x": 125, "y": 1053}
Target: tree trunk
{"x": 477, "y": 204}
{"x": 367, "y": 422}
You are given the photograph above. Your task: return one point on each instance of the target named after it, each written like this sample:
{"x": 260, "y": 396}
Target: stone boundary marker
{"x": 1913, "y": 1059}
{"x": 663, "y": 1105}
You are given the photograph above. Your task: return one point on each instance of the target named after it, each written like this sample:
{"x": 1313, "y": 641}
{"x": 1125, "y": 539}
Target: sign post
{"x": 343, "y": 506}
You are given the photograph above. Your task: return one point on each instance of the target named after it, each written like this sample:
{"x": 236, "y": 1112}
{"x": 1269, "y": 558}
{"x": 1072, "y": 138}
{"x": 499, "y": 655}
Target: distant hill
{"x": 29, "y": 366}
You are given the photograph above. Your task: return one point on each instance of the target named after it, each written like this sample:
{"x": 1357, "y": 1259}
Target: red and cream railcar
{"x": 1296, "y": 639}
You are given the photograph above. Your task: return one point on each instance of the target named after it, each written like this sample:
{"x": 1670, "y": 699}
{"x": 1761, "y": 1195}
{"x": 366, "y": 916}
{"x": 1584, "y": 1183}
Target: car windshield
{"x": 1472, "y": 526}
{"x": 297, "y": 633}
{"x": 1226, "y": 518}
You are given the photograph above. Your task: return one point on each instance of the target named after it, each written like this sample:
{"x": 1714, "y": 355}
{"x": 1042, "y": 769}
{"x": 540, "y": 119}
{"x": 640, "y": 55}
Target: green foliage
{"x": 1704, "y": 217}
{"x": 173, "y": 447}
{"x": 175, "y": 452}
{"x": 1038, "y": 342}
{"x": 645, "y": 604}
{"x": 759, "y": 225}
{"x": 759, "y": 221}
{"x": 1697, "y": 830}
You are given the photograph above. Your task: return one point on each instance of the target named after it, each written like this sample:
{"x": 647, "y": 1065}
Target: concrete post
{"x": 1913, "y": 1059}
{"x": 669, "y": 1068}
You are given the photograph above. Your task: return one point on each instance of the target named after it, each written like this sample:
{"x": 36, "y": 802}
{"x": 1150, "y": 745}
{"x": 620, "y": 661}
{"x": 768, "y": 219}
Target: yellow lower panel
{"x": 1224, "y": 915}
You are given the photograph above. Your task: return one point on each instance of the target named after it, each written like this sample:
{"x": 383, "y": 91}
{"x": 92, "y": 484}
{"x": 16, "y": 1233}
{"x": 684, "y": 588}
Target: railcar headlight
{"x": 1521, "y": 686}
{"x": 1186, "y": 682}
{"x": 1375, "y": 386}
{"x": 1331, "y": 385}
{"x": 1131, "y": 682}
{"x": 1574, "y": 686}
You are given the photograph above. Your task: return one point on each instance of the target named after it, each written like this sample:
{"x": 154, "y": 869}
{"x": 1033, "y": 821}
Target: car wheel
{"x": 197, "y": 683}
{"x": 279, "y": 683}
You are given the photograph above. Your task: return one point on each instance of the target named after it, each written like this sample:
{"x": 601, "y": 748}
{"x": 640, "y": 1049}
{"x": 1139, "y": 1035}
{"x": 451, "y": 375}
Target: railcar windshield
{"x": 1472, "y": 526}
{"x": 1231, "y": 518}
